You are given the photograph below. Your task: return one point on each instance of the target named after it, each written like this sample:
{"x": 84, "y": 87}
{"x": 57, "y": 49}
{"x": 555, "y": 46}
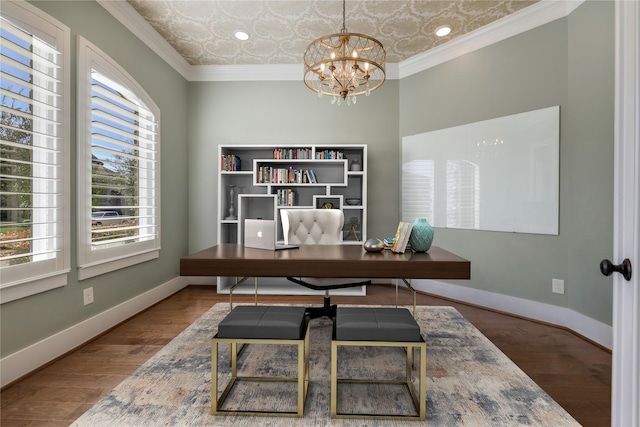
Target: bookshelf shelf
{"x": 259, "y": 189}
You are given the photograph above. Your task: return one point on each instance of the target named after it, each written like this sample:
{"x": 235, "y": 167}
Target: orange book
{"x": 397, "y": 237}
{"x": 401, "y": 240}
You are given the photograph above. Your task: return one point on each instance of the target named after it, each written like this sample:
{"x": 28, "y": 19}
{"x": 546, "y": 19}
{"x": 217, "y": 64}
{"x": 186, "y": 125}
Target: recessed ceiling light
{"x": 443, "y": 30}
{"x": 241, "y": 35}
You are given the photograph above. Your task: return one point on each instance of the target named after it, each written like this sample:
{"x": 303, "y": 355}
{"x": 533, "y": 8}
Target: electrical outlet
{"x": 88, "y": 296}
{"x": 557, "y": 286}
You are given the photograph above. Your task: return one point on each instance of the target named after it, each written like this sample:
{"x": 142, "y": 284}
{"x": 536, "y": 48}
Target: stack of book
{"x": 285, "y": 197}
{"x": 329, "y": 155}
{"x": 271, "y": 175}
{"x": 230, "y": 162}
{"x": 402, "y": 237}
{"x": 292, "y": 153}
{"x": 388, "y": 242}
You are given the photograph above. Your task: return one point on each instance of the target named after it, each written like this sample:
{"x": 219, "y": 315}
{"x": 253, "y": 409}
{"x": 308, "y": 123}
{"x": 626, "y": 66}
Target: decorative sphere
{"x": 373, "y": 245}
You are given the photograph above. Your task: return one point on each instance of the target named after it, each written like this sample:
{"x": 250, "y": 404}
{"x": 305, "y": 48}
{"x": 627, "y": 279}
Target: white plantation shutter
{"x": 118, "y": 166}
{"x": 34, "y": 151}
{"x": 123, "y": 143}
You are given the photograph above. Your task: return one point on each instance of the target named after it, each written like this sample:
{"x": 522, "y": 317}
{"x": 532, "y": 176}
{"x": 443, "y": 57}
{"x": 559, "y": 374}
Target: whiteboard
{"x": 498, "y": 175}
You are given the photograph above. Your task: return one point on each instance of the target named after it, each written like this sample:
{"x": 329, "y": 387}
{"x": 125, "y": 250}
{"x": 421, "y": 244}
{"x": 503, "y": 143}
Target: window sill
{"x": 32, "y": 287}
{"x": 91, "y": 270}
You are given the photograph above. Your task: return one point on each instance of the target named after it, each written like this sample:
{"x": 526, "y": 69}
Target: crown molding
{"x": 131, "y": 19}
{"x": 259, "y": 72}
{"x": 245, "y": 72}
{"x": 523, "y": 20}
{"x": 519, "y": 22}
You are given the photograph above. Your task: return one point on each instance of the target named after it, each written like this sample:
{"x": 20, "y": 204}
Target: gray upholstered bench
{"x": 379, "y": 327}
{"x": 261, "y": 325}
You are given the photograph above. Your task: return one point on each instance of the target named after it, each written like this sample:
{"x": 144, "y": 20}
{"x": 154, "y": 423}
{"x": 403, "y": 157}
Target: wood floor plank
{"x": 35, "y": 410}
{"x": 573, "y": 371}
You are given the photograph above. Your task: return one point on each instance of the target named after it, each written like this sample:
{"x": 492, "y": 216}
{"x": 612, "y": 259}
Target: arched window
{"x": 118, "y": 167}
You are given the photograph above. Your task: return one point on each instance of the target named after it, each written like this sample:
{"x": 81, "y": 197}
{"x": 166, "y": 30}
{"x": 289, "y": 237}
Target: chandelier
{"x": 344, "y": 65}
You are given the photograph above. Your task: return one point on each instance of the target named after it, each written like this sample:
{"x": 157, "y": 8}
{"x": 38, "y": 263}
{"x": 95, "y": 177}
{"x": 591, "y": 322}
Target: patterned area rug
{"x": 470, "y": 382}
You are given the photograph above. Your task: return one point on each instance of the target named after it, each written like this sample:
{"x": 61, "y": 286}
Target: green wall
{"x": 29, "y": 320}
{"x": 288, "y": 113}
{"x": 566, "y": 63}
{"x": 590, "y": 162}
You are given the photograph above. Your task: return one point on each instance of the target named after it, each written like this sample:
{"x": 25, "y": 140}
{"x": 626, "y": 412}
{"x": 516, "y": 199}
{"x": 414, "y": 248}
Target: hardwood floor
{"x": 574, "y": 372}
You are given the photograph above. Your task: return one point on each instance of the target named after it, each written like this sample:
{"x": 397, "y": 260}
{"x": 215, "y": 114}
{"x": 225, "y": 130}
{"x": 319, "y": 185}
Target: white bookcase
{"x": 266, "y": 177}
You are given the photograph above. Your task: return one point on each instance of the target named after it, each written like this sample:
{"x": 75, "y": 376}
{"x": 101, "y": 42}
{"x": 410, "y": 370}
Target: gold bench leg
{"x": 334, "y": 379}
{"x": 214, "y": 377}
{"x": 302, "y": 377}
{"x": 418, "y": 398}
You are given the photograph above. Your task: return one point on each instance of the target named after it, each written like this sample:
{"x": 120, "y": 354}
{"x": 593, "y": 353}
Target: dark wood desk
{"x": 324, "y": 261}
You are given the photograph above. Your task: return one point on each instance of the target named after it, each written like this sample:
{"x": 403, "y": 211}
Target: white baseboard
{"x": 587, "y": 327}
{"x": 36, "y": 355}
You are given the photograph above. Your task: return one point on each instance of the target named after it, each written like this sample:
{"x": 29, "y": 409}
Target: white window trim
{"x": 111, "y": 259}
{"x": 15, "y": 283}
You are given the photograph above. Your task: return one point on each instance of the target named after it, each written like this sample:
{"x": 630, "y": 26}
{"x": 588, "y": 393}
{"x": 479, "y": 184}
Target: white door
{"x": 625, "y": 409}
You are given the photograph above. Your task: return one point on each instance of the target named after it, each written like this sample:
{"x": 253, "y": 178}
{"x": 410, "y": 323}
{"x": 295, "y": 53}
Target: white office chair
{"x": 317, "y": 227}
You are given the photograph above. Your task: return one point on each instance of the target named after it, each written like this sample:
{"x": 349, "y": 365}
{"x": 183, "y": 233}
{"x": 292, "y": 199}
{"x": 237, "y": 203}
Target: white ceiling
{"x": 196, "y": 36}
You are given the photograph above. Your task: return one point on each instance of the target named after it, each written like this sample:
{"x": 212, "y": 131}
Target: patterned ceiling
{"x": 280, "y": 30}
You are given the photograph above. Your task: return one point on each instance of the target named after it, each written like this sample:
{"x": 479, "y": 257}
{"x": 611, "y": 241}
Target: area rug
{"x": 470, "y": 382}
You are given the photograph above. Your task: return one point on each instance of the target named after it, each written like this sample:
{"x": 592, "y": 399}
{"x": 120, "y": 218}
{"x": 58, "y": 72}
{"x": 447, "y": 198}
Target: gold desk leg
{"x": 233, "y": 288}
{"x": 396, "y": 293}
{"x": 231, "y": 294}
{"x": 408, "y": 285}
{"x": 255, "y": 297}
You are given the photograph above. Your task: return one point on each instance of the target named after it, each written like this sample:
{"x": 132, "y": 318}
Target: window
{"x": 118, "y": 167}
{"x": 34, "y": 149}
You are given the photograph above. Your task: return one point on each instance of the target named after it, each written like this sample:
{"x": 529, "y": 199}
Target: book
{"x": 402, "y": 237}
{"x": 291, "y": 153}
{"x": 397, "y": 237}
{"x": 405, "y": 237}
{"x": 285, "y": 197}
{"x": 230, "y": 163}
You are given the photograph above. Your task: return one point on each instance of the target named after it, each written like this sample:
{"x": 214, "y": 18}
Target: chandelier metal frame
{"x": 344, "y": 65}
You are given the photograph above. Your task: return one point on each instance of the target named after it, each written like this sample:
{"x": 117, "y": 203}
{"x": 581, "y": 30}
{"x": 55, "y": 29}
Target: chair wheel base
{"x": 326, "y": 310}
